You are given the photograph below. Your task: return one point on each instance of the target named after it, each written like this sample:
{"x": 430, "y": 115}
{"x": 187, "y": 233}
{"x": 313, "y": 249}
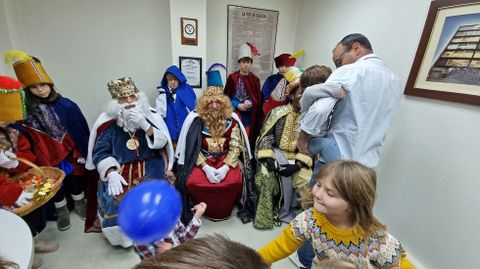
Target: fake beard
{"x": 121, "y": 111}
{"x": 215, "y": 123}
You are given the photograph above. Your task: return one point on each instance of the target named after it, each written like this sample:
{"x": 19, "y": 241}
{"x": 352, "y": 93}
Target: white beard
{"x": 120, "y": 112}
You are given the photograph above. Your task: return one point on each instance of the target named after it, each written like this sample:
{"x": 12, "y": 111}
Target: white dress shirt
{"x": 361, "y": 119}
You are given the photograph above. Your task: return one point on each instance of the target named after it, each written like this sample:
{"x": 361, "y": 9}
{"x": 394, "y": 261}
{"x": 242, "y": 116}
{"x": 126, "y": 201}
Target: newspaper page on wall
{"x": 257, "y": 26}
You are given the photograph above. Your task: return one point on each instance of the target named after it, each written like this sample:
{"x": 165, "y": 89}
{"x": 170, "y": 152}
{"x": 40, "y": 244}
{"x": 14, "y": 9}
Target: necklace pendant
{"x": 132, "y": 144}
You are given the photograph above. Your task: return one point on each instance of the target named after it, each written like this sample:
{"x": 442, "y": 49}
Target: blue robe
{"x": 112, "y": 143}
{"x": 269, "y": 85}
{"x": 178, "y": 108}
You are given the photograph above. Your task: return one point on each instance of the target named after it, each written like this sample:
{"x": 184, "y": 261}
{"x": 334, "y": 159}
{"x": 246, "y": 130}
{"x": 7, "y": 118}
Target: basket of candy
{"x": 43, "y": 181}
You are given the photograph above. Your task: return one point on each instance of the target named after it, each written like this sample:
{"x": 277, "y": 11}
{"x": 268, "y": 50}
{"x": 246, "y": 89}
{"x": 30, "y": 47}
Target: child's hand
{"x": 199, "y": 210}
{"x": 242, "y": 107}
{"x": 302, "y": 142}
{"x": 247, "y": 103}
{"x": 163, "y": 246}
{"x": 170, "y": 177}
{"x": 341, "y": 94}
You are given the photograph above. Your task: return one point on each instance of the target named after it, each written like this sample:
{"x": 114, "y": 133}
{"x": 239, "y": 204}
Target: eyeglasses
{"x": 338, "y": 61}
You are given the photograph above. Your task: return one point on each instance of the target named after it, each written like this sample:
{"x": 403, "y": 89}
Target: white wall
{"x": 196, "y": 9}
{"x": 85, "y": 44}
{"x": 217, "y": 26}
{"x": 428, "y": 174}
{"x": 4, "y": 42}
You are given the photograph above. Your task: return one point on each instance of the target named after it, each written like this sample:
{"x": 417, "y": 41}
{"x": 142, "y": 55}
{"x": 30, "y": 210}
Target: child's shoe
{"x": 63, "y": 218}
{"x": 37, "y": 262}
{"x": 45, "y": 246}
{"x": 80, "y": 208}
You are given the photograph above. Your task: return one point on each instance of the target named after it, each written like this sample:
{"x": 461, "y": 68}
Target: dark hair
{"x": 210, "y": 252}
{"x": 348, "y": 41}
{"x": 315, "y": 74}
{"x": 245, "y": 59}
{"x": 32, "y": 101}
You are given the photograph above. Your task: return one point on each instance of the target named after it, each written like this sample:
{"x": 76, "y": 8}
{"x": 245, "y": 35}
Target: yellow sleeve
{"x": 200, "y": 159}
{"x": 236, "y": 146}
{"x": 281, "y": 247}
{"x": 405, "y": 263}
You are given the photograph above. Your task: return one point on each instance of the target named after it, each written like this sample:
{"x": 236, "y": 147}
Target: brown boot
{"x": 80, "y": 208}
{"x": 45, "y": 246}
{"x": 37, "y": 262}
{"x": 63, "y": 218}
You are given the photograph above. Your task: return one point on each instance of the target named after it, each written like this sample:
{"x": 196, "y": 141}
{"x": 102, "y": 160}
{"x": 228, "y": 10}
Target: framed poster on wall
{"x": 447, "y": 63}
{"x": 191, "y": 67}
{"x": 257, "y": 26}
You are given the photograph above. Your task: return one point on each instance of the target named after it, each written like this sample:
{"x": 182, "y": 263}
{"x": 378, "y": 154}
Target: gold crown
{"x": 213, "y": 91}
{"x": 122, "y": 87}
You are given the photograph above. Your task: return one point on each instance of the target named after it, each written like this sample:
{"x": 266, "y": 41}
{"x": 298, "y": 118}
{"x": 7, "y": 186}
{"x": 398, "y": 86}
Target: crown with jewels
{"x": 122, "y": 87}
{"x": 212, "y": 91}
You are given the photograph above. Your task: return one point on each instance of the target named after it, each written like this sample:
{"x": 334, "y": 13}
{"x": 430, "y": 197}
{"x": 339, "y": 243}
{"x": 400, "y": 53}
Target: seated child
{"x": 179, "y": 235}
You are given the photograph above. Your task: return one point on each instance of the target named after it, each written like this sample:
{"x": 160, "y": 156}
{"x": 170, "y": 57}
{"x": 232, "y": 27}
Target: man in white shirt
{"x": 372, "y": 93}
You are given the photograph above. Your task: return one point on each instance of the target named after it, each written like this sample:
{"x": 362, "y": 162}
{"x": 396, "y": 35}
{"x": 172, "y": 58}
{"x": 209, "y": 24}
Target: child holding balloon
{"x": 179, "y": 235}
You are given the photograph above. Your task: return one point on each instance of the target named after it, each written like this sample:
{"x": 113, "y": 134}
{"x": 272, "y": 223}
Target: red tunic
{"x": 252, "y": 85}
{"x": 220, "y": 198}
{"x": 9, "y": 192}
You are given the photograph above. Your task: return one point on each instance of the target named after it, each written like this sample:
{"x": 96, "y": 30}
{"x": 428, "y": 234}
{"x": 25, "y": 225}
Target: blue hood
{"x": 174, "y": 70}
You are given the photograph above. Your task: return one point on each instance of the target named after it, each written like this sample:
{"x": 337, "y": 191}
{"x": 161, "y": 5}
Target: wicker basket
{"x": 44, "y": 172}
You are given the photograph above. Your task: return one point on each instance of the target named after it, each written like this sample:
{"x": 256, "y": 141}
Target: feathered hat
{"x": 12, "y": 100}
{"x": 288, "y": 60}
{"x": 247, "y": 50}
{"x": 293, "y": 76}
{"x": 29, "y": 70}
{"x": 122, "y": 87}
{"x": 214, "y": 78}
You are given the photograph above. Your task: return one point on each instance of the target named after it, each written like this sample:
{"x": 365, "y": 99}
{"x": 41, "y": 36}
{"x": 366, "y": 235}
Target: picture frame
{"x": 257, "y": 26}
{"x": 447, "y": 62}
{"x": 191, "y": 67}
{"x": 189, "y": 31}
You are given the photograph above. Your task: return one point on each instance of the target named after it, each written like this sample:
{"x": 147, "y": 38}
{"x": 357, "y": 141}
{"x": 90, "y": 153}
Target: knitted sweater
{"x": 330, "y": 242}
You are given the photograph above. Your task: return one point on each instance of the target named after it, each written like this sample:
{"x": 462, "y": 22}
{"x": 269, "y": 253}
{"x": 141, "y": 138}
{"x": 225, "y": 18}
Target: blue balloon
{"x": 149, "y": 211}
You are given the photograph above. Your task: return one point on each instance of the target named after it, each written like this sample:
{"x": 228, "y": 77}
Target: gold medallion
{"x": 132, "y": 144}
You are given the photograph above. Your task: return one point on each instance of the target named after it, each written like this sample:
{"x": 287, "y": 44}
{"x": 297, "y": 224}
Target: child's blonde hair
{"x": 356, "y": 184}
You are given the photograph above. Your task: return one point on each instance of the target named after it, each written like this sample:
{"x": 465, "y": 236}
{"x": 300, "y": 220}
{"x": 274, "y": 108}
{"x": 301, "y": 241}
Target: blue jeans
{"x": 306, "y": 255}
{"x": 328, "y": 150}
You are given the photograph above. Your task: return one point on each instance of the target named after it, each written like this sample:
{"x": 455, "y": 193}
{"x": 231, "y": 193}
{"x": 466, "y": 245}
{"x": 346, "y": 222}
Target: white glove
{"x": 210, "y": 172}
{"x": 138, "y": 119}
{"x": 24, "y": 198}
{"x": 222, "y": 172}
{"x": 115, "y": 181}
{"x": 81, "y": 160}
{"x": 5, "y": 160}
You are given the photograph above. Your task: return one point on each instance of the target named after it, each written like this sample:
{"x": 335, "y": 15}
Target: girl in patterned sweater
{"x": 340, "y": 225}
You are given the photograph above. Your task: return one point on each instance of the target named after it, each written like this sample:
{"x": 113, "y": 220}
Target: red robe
{"x": 9, "y": 192}
{"x": 221, "y": 197}
{"x": 252, "y": 85}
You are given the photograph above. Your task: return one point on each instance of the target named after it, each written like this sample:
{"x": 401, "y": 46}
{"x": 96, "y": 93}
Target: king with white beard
{"x": 129, "y": 143}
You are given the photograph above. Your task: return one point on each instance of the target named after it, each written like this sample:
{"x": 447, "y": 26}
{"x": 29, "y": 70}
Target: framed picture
{"x": 191, "y": 67}
{"x": 447, "y": 63}
{"x": 257, "y": 26}
{"x": 189, "y": 30}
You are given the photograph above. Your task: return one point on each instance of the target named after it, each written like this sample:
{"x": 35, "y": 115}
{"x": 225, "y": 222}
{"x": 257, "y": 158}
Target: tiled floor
{"x": 79, "y": 250}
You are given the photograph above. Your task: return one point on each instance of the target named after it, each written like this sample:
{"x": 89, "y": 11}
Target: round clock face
{"x": 189, "y": 29}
